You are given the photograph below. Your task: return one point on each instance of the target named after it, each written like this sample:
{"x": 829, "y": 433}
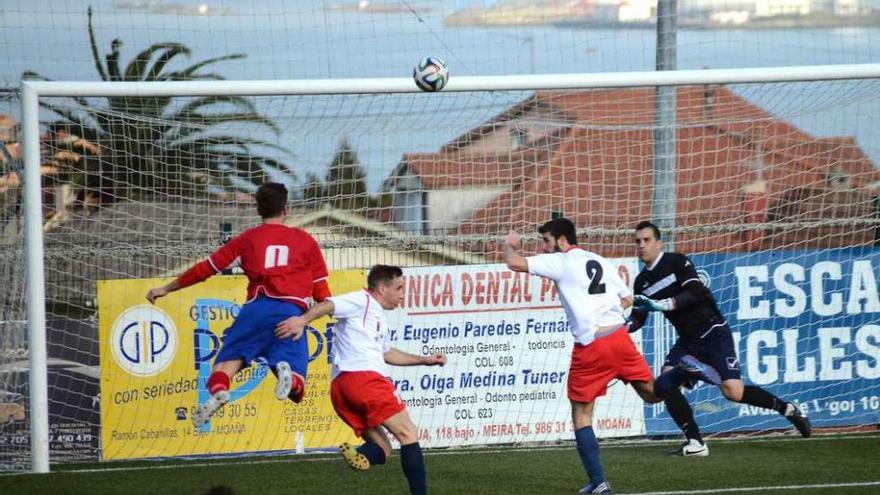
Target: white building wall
{"x": 448, "y": 208}
{"x": 730, "y": 17}
{"x": 637, "y": 10}
{"x": 770, "y": 8}
{"x": 408, "y": 204}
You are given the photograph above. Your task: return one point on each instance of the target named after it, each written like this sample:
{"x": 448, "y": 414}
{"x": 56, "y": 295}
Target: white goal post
{"x": 33, "y": 91}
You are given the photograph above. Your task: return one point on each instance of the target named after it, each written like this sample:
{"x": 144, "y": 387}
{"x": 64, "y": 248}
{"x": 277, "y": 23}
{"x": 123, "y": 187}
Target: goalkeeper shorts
{"x": 716, "y": 349}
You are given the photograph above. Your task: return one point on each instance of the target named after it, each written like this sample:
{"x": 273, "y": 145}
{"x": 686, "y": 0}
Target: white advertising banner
{"x": 509, "y": 349}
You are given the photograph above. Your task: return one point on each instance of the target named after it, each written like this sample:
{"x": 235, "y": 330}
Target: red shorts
{"x": 364, "y": 399}
{"x": 593, "y": 366}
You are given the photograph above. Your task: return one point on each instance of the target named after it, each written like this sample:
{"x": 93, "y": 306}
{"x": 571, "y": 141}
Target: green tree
{"x": 313, "y": 191}
{"x": 167, "y": 144}
{"x": 346, "y": 185}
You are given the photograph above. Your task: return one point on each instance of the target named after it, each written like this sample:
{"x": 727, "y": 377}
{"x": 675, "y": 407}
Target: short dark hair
{"x": 648, "y": 225}
{"x": 382, "y": 275}
{"x": 560, "y": 227}
{"x": 271, "y": 199}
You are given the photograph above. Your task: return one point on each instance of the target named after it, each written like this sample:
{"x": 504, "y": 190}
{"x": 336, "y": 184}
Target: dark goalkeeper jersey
{"x": 669, "y": 278}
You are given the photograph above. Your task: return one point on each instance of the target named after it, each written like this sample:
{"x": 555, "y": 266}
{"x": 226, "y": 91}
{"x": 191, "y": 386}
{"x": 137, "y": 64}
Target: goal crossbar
{"x": 458, "y": 83}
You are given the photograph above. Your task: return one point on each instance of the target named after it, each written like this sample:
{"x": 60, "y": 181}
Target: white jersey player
{"x": 592, "y": 294}
{"x": 361, "y": 392}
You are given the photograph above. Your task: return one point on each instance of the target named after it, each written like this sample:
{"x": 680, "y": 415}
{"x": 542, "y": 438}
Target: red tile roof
{"x": 597, "y": 169}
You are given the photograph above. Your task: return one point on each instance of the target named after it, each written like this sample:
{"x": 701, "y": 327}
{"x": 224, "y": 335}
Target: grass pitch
{"x": 840, "y": 465}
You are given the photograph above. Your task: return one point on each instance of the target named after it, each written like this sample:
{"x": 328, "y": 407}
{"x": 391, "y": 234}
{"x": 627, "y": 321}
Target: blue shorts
{"x": 252, "y": 336}
{"x": 715, "y": 349}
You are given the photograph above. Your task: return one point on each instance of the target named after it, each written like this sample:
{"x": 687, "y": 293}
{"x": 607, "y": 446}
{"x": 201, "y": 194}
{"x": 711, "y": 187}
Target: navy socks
{"x": 588, "y": 449}
{"x": 373, "y": 452}
{"x": 413, "y": 465}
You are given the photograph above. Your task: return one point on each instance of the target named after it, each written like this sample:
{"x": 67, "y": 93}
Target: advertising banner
{"x": 806, "y": 325}
{"x": 509, "y": 347}
{"x": 72, "y": 371}
{"x": 155, "y": 362}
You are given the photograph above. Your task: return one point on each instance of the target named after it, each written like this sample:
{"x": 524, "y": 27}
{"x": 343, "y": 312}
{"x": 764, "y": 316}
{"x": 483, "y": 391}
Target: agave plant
{"x": 165, "y": 145}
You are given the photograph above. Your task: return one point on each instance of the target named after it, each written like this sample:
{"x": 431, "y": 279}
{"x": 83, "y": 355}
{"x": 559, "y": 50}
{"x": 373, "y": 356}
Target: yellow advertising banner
{"x": 155, "y": 363}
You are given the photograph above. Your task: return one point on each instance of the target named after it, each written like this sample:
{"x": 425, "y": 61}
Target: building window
{"x": 519, "y": 138}
{"x": 838, "y": 179}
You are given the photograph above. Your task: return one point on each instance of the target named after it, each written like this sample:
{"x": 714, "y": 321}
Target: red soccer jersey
{"x": 279, "y": 261}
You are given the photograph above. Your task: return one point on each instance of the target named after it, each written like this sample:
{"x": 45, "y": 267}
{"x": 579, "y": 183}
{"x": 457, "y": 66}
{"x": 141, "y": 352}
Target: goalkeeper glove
{"x": 648, "y": 304}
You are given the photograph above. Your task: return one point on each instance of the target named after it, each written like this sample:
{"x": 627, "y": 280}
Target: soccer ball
{"x": 431, "y": 74}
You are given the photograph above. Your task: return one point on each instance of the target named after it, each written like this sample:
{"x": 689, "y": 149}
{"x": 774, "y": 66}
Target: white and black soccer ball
{"x": 431, "y": 74}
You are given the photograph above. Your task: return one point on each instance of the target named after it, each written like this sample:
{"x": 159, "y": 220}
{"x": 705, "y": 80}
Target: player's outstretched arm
{"x": 294, "y": 326}
{"x": 201, "y": 271}
{"x": 399, "y": 358}
{"x": 514, "y": 260}
{"x": 157, "y": 292}
{"x": 197, "y": 273}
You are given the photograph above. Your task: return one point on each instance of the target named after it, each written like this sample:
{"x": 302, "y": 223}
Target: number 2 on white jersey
{"x": 594, "y": 273}
{"x": 276, "y": 256}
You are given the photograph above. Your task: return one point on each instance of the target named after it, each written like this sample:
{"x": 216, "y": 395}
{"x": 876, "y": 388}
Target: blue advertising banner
{"x": 806, "y": 325}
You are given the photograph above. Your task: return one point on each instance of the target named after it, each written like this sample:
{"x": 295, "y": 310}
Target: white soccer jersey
{"x": 360, "y": 337}
{"x": 589, "y": 289}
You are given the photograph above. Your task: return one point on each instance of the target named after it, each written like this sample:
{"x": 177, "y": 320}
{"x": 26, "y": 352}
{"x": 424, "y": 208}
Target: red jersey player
{"x": 285, "y": 271}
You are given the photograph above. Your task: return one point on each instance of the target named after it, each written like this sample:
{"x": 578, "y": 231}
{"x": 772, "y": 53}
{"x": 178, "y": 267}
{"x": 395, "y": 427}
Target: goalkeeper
{"x": 704, "y": 349}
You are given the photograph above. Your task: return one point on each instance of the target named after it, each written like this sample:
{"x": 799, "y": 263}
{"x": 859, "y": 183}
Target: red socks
{"x": 298, "y": 390}
{"x": 218, "y": 381}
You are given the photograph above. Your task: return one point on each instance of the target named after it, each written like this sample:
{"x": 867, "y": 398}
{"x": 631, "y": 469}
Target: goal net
{"x": 775, "y": 199}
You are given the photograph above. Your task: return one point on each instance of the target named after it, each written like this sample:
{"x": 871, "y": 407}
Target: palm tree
{"x": 165, "y": 145}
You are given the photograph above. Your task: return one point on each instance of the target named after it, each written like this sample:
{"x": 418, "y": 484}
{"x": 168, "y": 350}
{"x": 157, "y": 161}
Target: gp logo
{"x": 143, "y": 340}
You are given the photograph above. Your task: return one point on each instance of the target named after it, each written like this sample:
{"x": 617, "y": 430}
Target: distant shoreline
{"x": 794, "y": 23}
{"x": 374, "y": 8}
{"x": 499, "y": 19}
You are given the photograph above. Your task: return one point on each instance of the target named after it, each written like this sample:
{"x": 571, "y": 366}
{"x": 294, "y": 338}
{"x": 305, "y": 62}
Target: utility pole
{"x": 664, "y": 197}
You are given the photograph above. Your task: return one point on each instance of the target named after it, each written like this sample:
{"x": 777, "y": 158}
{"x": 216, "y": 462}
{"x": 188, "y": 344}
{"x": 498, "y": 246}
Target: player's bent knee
{"x": 731, "y": 395}
{"x": 406, "y": 438}
{"x": 732, "y": 390}
{"x": 403, "y": 429}
{"x": 407, "y": 434}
